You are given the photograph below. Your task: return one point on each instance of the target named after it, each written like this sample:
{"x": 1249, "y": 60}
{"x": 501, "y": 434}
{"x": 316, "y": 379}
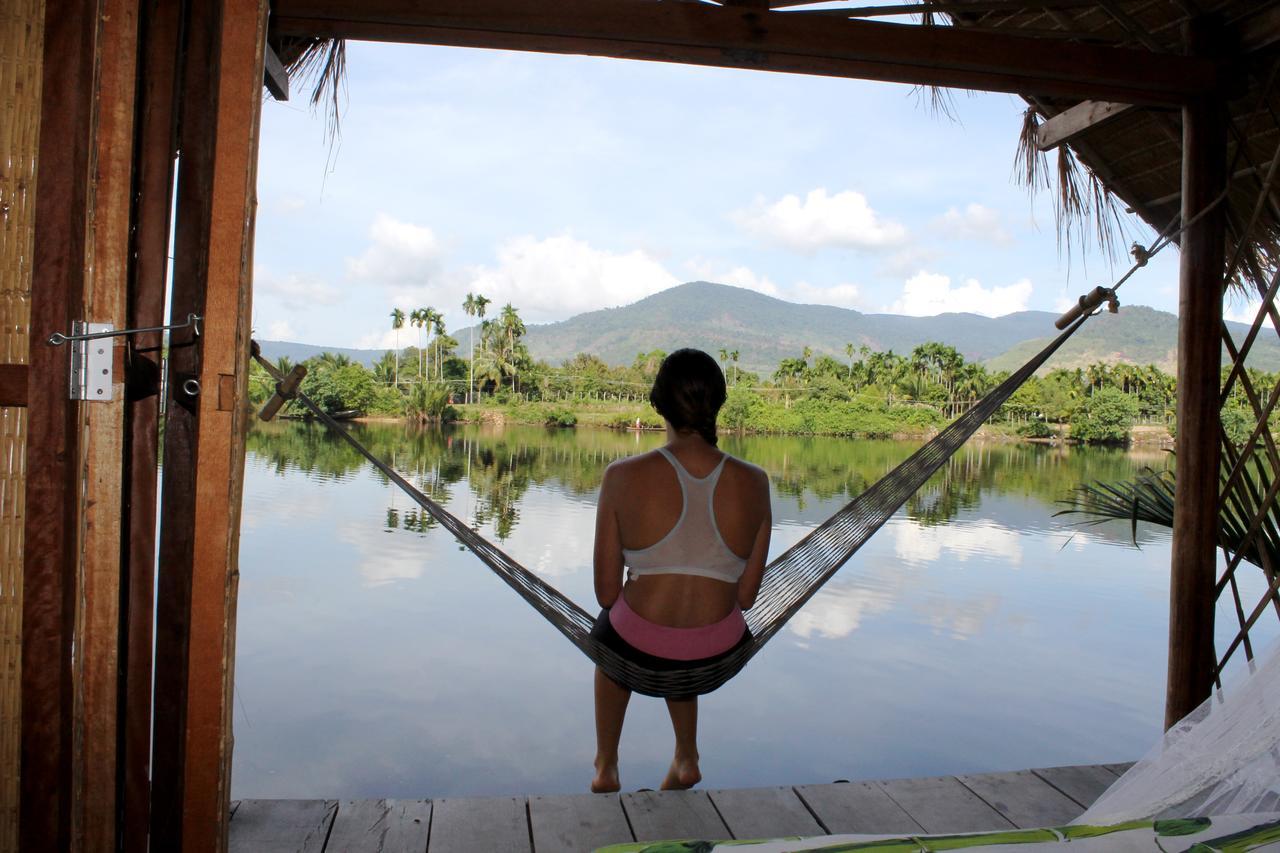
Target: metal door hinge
{"x": 91, "y": 359}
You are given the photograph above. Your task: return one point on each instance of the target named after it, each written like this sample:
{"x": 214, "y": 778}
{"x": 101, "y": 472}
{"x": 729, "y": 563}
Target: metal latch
{"x": 90, "y": 361}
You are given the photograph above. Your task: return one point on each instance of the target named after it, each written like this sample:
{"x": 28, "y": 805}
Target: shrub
{"x": 1106, "y": 417}
{"x": 339, "y": 389}
{"x": 1035, "y": 428}
{"x": 561, "y": 418}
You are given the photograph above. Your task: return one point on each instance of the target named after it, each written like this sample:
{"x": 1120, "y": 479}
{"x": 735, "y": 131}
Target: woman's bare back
{"x": 648, "y": 500}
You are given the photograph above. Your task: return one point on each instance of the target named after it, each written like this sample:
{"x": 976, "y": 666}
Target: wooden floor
{"x": 1026, "y": 798}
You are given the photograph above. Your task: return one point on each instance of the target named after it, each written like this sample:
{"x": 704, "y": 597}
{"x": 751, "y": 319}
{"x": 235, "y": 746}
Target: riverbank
{"x": 834, "y": 419}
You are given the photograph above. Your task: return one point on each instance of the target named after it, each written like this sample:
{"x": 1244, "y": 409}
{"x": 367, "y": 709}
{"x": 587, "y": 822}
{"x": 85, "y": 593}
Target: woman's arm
{"x": 608, "y": 549}
{"x": 753, "y": 574}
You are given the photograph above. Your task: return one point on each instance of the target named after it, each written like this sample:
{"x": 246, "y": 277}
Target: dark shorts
{"x": 609, "y": 638}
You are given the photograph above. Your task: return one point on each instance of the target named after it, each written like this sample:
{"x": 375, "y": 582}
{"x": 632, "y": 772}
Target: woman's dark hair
{"x": 689, "y": 392}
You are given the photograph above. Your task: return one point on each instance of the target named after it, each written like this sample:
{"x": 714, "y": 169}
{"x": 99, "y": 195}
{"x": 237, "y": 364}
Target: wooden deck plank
{"x": 670, "y": 815}
{"x": 381, "y": 826}
{"x": 857, "y": 807}
{"x": 764, "y": 812}
{"x": 942, "y": 804}
{"x": 577, "y": 822}
{"x": 479, "y": 823}
{"x": 1082, "y": 783}
{"x": 1023, "y": 798}
{"x": 281, "y": 826}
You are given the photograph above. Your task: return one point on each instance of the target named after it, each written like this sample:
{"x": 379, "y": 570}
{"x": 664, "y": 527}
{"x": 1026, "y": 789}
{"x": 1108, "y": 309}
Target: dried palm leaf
{"x": 1030, "y": 165}
{"x": 938, "y": 101}
{"x": 322, "y": 67}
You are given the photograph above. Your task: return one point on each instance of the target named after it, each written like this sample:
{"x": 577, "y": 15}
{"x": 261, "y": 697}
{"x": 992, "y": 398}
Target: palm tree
{"x": 417, "y": 319}
{"x": 481, "y": 302}
{"x": 724, "y": 356}
{"x": 397, "y": 323}
{"x": 848, "y": 350}
{"x": 469, "y": 306}
{"x": 437, "y": 326}
{"x": 429, "y": 316}
{"x": 733, "y": 356}
{"x": 513, "y": 329}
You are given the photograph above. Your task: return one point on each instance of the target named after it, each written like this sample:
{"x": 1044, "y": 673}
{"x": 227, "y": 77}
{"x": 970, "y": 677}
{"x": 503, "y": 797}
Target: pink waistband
{"x": 676, "y": 643}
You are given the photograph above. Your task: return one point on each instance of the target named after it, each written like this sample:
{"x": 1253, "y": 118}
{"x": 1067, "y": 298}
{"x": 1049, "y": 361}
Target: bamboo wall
{"x": 21, "y": 36}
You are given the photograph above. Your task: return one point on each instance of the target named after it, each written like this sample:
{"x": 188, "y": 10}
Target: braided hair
{"x": 689, "y": 391}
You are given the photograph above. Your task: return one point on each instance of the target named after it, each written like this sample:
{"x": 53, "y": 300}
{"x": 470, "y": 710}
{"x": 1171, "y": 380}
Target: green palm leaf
{"x": 1149, "y": 498}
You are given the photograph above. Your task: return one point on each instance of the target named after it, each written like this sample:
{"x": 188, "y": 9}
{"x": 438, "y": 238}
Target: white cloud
{"x": 1245, "y": 313}
{"x": 295, "y": 292}
{"x": 843, "y": 220}
{"x": 281, "y": 331}
{"x": 839, "y": 295}
{"x": 838, "y": 611}
{"x": 739, "y": 276}
{"x": 908, "y": 260}
{"x": 400, "y": 254}
{"x": 916, "y": 543}
{"x": 926, "y": 294}
{"x": 975, "y": 222}
{"x": 557, "y": 277}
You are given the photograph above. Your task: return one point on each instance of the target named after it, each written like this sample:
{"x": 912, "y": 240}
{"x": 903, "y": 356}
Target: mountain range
{"x": 764, "y": 330}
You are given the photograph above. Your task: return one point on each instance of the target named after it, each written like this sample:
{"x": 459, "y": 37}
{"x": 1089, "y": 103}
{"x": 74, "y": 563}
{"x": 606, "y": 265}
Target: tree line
{"x": 868, "y": 392}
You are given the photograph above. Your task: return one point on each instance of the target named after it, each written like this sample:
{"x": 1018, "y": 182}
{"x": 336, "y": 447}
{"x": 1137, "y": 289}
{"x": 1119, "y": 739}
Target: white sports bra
{"x": 694, "y": 546}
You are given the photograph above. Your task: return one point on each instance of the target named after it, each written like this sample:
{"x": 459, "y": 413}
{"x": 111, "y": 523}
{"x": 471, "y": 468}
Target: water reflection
{"x": 975, "y": 632}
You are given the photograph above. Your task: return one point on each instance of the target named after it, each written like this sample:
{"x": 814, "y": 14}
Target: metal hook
{"x": 193, "y": 322}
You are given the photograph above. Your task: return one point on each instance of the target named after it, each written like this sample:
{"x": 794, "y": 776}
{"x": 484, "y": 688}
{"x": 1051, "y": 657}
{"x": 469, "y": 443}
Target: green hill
{"x": 1138, "y": 335}
{"x": 766, "y": 330}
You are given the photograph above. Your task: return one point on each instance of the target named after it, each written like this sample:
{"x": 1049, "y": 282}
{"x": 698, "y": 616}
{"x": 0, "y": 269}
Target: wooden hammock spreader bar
{"x": 737, "y": 37}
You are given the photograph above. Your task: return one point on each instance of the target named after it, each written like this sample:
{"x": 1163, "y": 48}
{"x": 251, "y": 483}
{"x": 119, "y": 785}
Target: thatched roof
{"x": 1136, "y": 153}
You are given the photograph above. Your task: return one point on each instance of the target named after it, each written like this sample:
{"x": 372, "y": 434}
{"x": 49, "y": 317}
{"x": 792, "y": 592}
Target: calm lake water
{"x": 975, "y": 632}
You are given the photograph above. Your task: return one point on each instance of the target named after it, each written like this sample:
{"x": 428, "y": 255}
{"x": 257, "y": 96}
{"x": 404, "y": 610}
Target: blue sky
{"x": 567, "y": 184}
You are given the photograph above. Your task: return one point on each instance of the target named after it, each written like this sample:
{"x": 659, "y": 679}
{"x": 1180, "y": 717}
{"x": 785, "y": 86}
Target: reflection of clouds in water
{"x": 383, "y": 557}
{"x": 837, "y": 611}
{"x": 919, "y": 544}
{"x": 961, "y": 617}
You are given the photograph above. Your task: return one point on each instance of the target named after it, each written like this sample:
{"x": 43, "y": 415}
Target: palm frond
{"x": 1150, "y": 498}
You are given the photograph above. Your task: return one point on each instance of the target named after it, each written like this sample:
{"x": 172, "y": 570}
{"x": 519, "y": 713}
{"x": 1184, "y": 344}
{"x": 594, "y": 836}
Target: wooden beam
{"x": 1069, "y": 124}
{"x": 703, "y": 34}
{"x": 205, "y": 432}
{"x": 51, "y": 527}
{"x": 1258, "y": 31}
{"x": 1195, "y": 514}
{"x": 13, "y": 384}
{"x": 97, "y": 633}
{"x": 274, "y": 75}
{"x": 153, "y": 190}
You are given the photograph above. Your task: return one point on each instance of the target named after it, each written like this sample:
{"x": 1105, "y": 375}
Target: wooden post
{"x": 1195, "y": 514}
{"x": 206, "y": 424}
{"x": 50, "y": 541}
{"x": 97, "y": 632}
{"x": 153, "y": 189}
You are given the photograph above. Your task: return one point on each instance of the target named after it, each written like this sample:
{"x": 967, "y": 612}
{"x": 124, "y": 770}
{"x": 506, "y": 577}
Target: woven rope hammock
{"x": 789, "y": 581}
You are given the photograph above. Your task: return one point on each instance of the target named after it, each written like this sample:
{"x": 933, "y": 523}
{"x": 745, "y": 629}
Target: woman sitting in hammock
{"x": 691, "y": 525}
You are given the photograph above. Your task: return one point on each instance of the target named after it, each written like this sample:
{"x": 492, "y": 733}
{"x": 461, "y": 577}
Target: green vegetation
{"x": 867, "y": 394}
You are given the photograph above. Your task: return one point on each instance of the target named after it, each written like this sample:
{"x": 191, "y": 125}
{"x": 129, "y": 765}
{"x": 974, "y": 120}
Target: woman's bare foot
{"x": 606, "y": 780}
{"x": 684, "y": 774}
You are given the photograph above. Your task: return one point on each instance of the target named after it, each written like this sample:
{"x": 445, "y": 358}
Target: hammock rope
{"x": 790, "y": 580}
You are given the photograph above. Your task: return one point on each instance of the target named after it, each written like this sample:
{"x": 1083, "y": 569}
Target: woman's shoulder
{"x": 745, "y": 470}
{"x": 629, "y": 466}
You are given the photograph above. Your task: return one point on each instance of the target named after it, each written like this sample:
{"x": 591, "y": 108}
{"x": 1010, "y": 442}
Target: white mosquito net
{"x": 1222, "y": 758}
